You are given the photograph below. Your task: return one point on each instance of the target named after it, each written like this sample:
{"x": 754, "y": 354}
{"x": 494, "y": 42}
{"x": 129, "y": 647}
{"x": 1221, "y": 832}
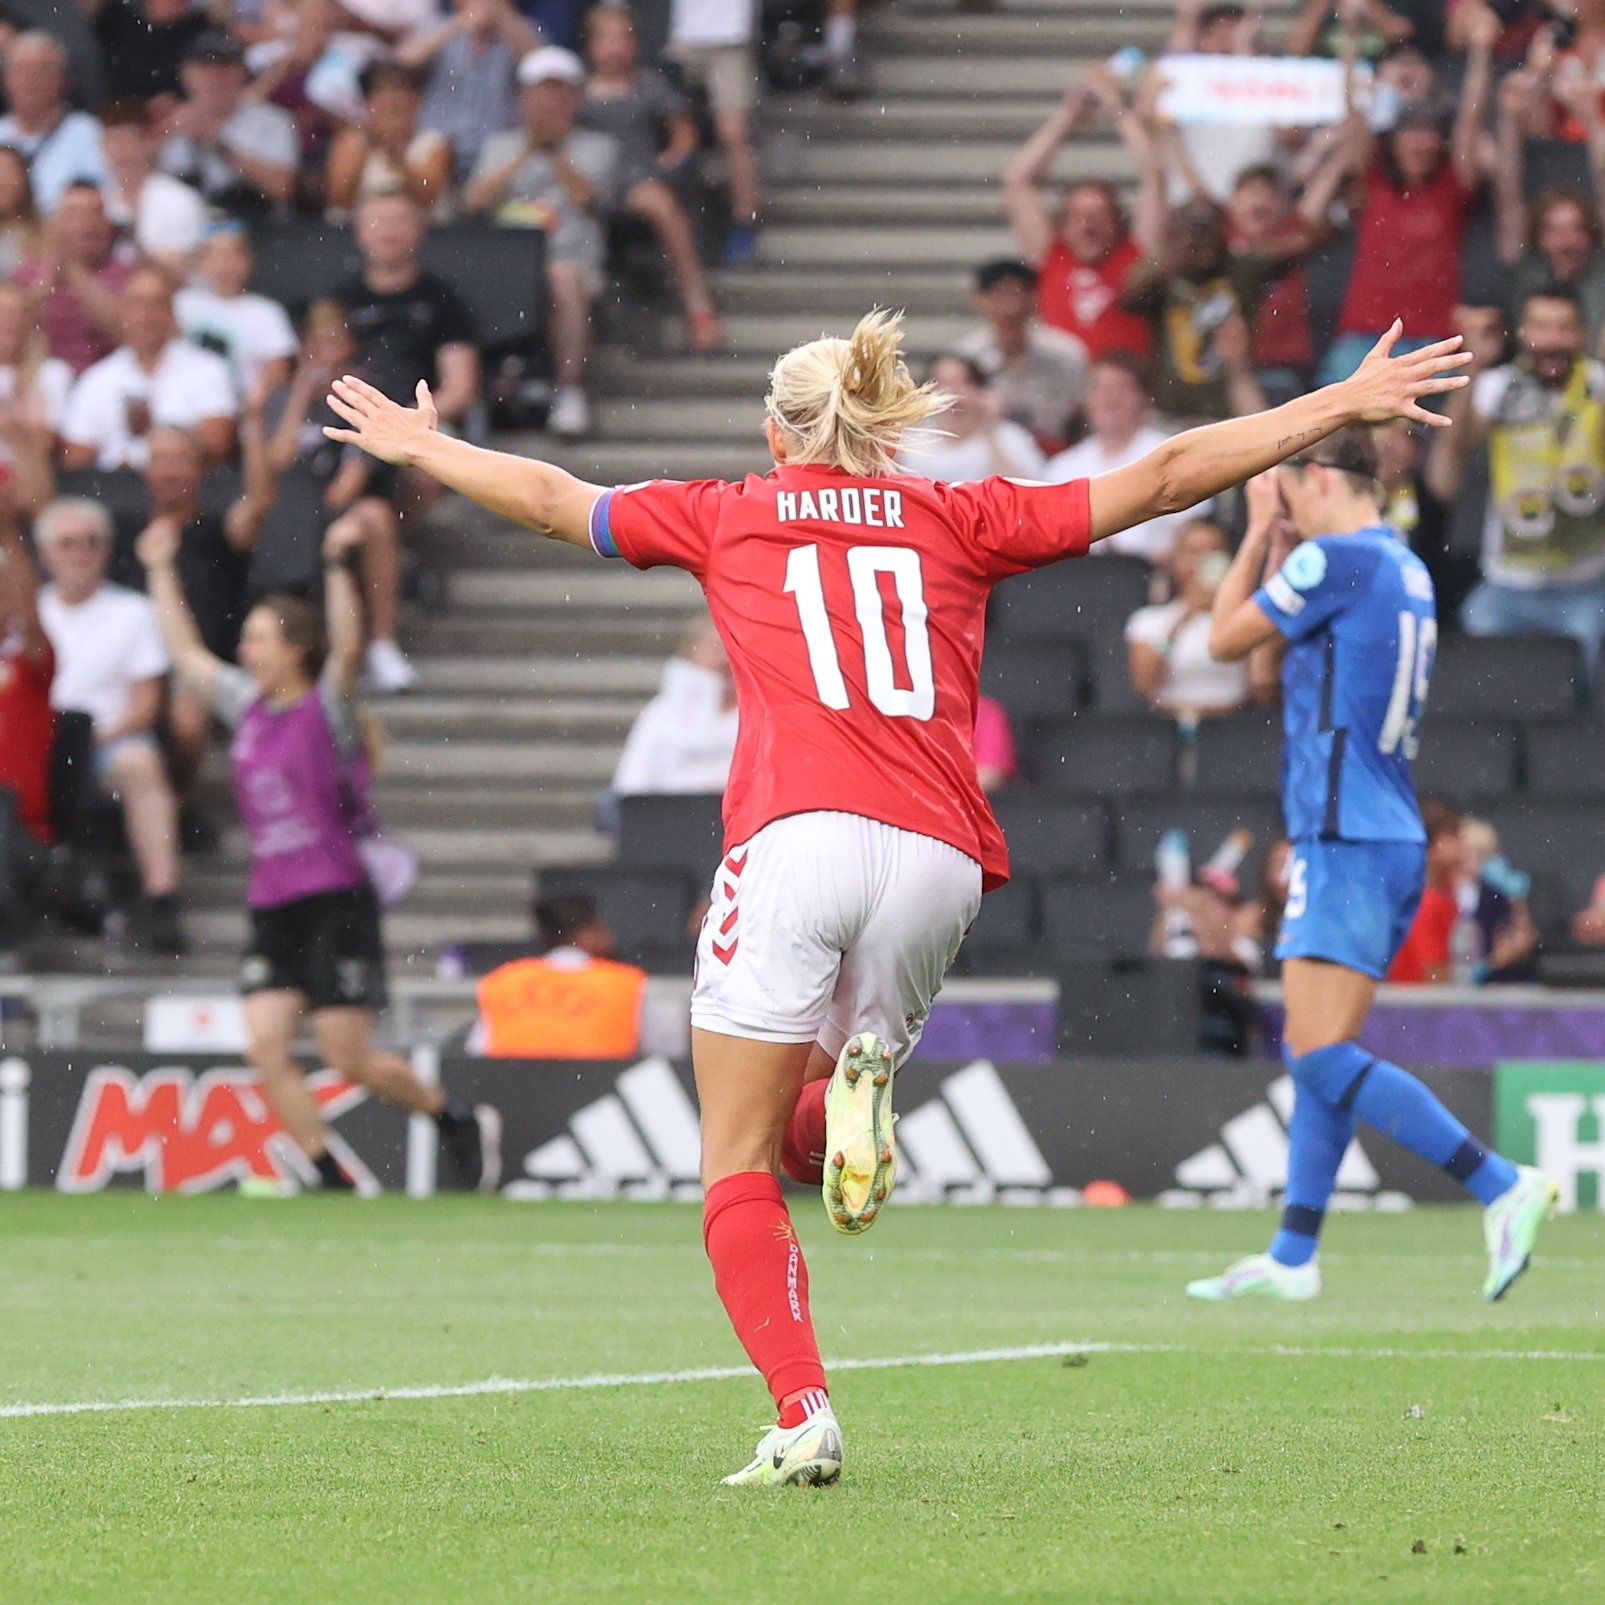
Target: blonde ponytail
{"x": 846, "y": 403}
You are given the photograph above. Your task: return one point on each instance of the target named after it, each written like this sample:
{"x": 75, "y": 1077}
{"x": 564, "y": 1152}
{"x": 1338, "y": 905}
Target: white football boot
{"x": 807, "y": 1455}
{"x": 1510, "y": 1228}
{"x": 1260, "y": 1276}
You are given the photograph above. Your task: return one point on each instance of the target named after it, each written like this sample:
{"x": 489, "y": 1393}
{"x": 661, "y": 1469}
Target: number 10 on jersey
{"x": 865, "y": 565}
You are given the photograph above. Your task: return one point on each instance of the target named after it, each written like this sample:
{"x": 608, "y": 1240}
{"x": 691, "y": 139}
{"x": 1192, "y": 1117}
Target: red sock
{"x": 759, "y": 1272}
{"x": 802, "y": 1153}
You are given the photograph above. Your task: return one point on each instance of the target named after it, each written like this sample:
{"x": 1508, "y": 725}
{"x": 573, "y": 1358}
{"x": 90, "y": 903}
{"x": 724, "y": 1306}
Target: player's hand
{"x": 1385, "y": 387}
{"x": 380, "y": 426}
{"x": 1263, "y": 493}
{"x": 157, "y": 546}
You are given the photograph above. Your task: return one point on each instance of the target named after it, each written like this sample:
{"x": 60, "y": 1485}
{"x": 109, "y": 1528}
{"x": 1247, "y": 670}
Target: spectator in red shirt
{"x": 79, "y": 279}
{"x": 1261, "y": 217}
{"x": 27, "y": 667}
{"x": 1424, "y": 958}
{"x": 1082, "y": 258}
{"x": 1419, "y": 184}
{"x": 26, "y": 729}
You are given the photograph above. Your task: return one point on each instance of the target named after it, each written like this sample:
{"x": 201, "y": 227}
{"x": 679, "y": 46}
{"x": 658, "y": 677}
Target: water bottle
{"x": 1465, "y": 939}
{"x": 1174, "y": 871}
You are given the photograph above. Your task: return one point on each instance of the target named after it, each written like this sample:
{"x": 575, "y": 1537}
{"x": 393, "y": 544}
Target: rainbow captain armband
{"x": 602, "y": 542}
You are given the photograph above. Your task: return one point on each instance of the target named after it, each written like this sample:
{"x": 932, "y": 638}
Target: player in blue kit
{"x": 1353, "y": 611}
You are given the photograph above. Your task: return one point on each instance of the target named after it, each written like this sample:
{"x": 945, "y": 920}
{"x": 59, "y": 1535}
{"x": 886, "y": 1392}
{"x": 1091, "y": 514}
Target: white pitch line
{"x": 724, "y": 1373}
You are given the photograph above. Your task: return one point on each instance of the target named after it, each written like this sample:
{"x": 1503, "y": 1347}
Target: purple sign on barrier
{"x": 1021, "y": 1032}
{"x": 1472, "y": 1033}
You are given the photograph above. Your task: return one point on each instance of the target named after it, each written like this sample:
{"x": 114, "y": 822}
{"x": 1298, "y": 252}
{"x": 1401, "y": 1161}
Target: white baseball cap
{"x": 549, "y": 62}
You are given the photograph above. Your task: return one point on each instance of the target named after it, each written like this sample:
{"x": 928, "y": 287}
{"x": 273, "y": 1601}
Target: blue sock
{"x": 1319, "y": 1135}
{"x": 1400, "y": 1107}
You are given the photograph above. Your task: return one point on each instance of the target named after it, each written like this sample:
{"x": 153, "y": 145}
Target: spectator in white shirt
{"x": 241, "y": 154}
{"x": 252, "y": 333}
{"x": 1038, "y": 374}
{"x": 684, "y": 738}
{"x": 110, "y": 664}
{"x": 61, "y": 145}
{"x": 164, "y": 217}
{"x": 152, "y": 378}
{"x": 1167, "y": 645}
{"x": 970, "y": 441}
{"x": 1121, "y": 429}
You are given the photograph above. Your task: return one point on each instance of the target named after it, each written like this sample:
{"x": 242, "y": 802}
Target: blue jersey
{"x": 1358, "y": 614}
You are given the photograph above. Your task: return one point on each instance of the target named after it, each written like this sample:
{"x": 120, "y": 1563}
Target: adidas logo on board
{"x": 1247, "y": 1165}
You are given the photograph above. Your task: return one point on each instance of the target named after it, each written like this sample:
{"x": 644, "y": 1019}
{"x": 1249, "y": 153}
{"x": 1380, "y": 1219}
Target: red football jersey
{"x": 854, "y": 612}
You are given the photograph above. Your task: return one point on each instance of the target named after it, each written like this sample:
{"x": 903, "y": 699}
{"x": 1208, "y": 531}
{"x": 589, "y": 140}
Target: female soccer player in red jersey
{"x": 852, "y": 601}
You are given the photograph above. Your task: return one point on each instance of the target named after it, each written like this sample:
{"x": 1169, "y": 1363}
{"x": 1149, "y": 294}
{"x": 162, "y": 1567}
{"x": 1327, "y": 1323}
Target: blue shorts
{"x": 1351, "y": 903}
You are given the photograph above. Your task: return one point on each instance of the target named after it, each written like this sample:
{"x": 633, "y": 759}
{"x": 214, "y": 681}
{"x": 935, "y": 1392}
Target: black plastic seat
{"x": 1005, "y": 938}
{"x": 1237, "y": 754}
{"x": 1077, "y": 599}
{"x": 1097, "y": 754}
{"x": 1566, "y": 759}
{"x": 1110, "y": 919}
{"x": 673, "y": 833}
{"x": 1053, "y": 835}
{"x": 1542, "y": 836}
{"x": 1466, "y": 758}
{"x": 1039, "y": 679}
{"x": 1506, "y": 676}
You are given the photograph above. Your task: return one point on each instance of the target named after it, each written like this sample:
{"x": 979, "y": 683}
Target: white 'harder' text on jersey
{"x": 873, "y": 509}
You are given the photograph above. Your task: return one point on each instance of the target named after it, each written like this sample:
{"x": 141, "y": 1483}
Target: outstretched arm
{"x": 534, "y": 494}
{"x": 342, "y": 605}
{"x": 157, "y": 549}
{"x": 1191, "y": 467}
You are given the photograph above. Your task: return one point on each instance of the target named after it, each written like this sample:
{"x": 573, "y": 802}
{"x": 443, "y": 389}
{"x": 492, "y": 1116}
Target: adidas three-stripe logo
{"x": 1247, "y": 1165}
{"x": 968, "y": 1144}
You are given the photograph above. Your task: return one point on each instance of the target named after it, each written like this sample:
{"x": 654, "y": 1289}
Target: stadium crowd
{"x": 150, "y": 148}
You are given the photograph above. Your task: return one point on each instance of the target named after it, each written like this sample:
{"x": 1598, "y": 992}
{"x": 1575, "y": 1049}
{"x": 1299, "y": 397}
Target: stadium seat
{"x": 1545, "y": 837}
{"x": 1532, "y": 676}
{"x": 1109, "y": 687}
{"x": 1566, "y": 759}
{"x": 1241, "y": 753}
{"x": 1207, "y": 821}
{"x": 288, "y": 554}
{"x": 1074, "y": 599}
{"x": 1051, "y": 835}
{"x": 673, "y": 833}
{"x": 1035, "y": 680}
{"x": 1462, "y": 758}
{"x": 647, "y": 910}
{"x": 1004, "y": 939}
{"x": 1107, "y": 919}
{"x": 1089, "y": 754}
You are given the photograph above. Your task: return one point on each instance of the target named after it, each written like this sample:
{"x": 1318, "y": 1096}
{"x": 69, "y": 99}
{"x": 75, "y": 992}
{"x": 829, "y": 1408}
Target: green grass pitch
{"x": 1396, "y": 1441}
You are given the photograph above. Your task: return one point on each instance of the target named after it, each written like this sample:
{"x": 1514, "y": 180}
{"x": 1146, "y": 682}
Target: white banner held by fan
{"x": 1278, "y": 91}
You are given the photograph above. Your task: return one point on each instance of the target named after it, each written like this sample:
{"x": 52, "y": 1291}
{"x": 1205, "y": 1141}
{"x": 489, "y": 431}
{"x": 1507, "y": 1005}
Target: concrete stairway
{"x": 540, "y": 657}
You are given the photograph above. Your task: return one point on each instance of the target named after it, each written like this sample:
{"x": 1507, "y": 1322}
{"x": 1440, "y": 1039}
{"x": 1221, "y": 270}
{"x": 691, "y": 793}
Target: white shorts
{"x": 827, "y": 924}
